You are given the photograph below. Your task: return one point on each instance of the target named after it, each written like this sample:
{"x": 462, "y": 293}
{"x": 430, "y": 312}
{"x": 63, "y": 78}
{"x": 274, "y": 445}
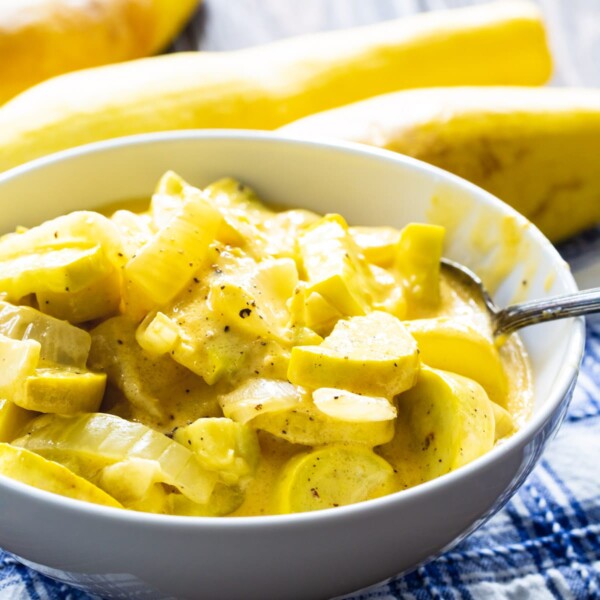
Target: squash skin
{"x": 44, "y": 38}
{"x": 536, "y": 148}
{"x": 268, "y": 86}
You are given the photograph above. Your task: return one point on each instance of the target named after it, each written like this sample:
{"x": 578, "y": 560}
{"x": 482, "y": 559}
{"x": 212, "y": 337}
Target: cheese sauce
{"x": 456, "y": 301}
{"x": 380, "y": 372}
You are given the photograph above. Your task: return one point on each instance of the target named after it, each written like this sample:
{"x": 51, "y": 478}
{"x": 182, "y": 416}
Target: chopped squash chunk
{"x": 135, "y": 483}
{"x": 79, "y": 229}
{"x": 62, "y": 391}
{"x": 287, "y": 412}
{"x": 12, "y": 420}
{"x": 224, "y": 500}
{"x": 243, "y": 214}
{"x": 223, "y": 446}
{"x": 254, "y": 302}
{"x": 334, "y": 267}
{"x": 373, "y": 355}
{"x": 75, "y": 283}
{"x": 418, "y": 256}
{"x": 378, "y": 244}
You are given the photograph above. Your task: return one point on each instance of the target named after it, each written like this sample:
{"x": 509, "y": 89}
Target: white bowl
{"x": 312, "y": 555}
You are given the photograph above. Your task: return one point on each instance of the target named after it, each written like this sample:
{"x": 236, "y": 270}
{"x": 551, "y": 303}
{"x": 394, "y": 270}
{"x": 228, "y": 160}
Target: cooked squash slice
{"x": 372, "y": 355}
{"x": 33, "y": 469}
{"x": 101, "y": 440}
{"x": 454, "y": 345}
{"x": 443, "y": 423}
{"x": 332, "y": 476}
{"x": 418, "y": 255}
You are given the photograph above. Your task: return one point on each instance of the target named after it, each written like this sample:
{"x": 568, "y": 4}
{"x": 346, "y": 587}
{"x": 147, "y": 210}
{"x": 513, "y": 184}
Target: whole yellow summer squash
{"x": 535, "y": 148}
{"x": 43, "y": 38}
{"x": 267, "y": 86}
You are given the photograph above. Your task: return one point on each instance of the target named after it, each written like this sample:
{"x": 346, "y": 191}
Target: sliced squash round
{"x": 63, "y": 391}
{"x": 33, "y": 469}
{"x": 443, "y": 423}
{"x": 332, "y": 476}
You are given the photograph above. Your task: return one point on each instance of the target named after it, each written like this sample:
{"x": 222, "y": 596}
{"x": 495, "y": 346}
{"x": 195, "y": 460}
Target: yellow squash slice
{"x": 99, "y": 298}
{"x": 453, "y": 345}
{"x": 62, "y": 391}
{"x": 13, "y": 419}
{"x": 307, "y": 425}
{"x": 443, "y": 423}
{"x": 243, "y": 214}
{"x": 372, "y": 355}
{"x": 378, "y": 244}
{"x": 418, "y": 256}
{"x": 505, "y": 424}
{"x": 136, "y": 484}
{"x": 54, "y": 389}
{"x": 33, "y": 469}
{"x": 79, "y": 229}
{"x": 288, "y": 412}
{"x": 252, "y": 299}
{"x": 98, "y": 440}
{"x": 223, "y": 501}
{"x": 311, "y": 316}
{"x": 332, "y": 476}
{"x": 55, "y": 274}
{"x": 334, "y": 266}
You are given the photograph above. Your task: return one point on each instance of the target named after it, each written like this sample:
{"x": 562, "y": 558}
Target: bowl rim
{"x": 557, "y": 400}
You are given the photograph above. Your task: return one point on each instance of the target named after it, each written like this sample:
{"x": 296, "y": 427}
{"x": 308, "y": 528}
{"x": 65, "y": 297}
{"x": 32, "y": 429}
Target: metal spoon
{"x": 509, "y": 319}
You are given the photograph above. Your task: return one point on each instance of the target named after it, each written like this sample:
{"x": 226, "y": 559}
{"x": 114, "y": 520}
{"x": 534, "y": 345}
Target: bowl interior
{"x": 367, "y": 186}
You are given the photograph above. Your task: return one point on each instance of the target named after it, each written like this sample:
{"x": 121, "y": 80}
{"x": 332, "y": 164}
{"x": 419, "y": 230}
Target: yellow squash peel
{"x": 267, "y": 86}
{"x": 43, "y": 38}
{"x": 533, "y": 147}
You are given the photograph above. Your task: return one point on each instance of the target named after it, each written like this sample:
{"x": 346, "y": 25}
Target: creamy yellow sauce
{"x": 455, "y": 301}
{"x": 240, "y": 313}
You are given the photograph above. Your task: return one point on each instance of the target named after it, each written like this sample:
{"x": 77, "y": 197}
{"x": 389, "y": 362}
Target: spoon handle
{"x": 514, "y": 317}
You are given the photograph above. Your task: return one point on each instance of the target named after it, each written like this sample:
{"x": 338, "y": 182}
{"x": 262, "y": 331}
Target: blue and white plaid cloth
{"x": 545, "y": 544}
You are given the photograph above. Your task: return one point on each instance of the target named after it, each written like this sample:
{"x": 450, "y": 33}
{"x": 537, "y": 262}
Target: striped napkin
{"x": 545, "y": 543}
